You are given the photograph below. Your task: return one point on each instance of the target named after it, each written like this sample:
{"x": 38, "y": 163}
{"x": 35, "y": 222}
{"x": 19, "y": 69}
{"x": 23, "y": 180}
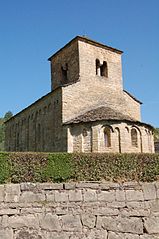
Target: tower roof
{"x": 89, "y": 41}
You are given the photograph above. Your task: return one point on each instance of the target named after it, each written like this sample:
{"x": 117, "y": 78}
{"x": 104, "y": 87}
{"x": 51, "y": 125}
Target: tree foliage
{"x": 6, "y": 117}
{"x": 156, "y": 134}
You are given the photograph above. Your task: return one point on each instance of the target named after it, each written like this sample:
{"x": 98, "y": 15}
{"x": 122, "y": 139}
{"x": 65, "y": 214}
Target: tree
{"x": 8, "y": 115}
{"x": 156, "y": 134}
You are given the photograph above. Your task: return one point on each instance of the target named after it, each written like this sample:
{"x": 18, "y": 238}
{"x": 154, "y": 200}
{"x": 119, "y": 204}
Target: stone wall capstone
{"x": 88, "y": 210}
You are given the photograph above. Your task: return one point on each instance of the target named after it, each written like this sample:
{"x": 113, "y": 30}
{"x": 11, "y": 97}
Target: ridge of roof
{"x": 87, "y": 40}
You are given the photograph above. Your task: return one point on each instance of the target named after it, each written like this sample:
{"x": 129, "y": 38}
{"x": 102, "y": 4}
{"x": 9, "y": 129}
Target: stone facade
{"x": 87, "y": 109}
{"x": 157, "y": 146}
{"x": 87, "y": 210}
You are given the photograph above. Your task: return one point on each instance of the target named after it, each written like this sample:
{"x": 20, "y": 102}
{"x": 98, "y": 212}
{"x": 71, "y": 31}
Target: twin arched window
{"x": 101, "y": 69}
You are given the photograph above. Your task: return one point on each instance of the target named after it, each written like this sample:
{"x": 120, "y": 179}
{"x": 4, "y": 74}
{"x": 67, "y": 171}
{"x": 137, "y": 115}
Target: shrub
{"x": 59, "y": 167}
{"x": 27, "y": 167}
{"x": 4, "y": 168}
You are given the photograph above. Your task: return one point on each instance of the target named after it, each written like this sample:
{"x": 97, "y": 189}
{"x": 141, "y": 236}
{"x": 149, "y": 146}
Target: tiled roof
{"x": 104, "y": 113}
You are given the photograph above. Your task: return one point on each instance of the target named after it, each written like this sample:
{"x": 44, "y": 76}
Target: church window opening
{"x": 98, "y": 72}
{"x": 134, "y": 140}
{"x": 64, "y": 70}
{"x": 107, "y": 137}
{"x": 101, "y": 69}
{"x": 104, "y": 69}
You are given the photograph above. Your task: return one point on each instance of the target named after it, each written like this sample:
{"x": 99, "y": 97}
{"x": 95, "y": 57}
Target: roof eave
{"x": 87, "y": 40}
{"x": 115, "y": 120}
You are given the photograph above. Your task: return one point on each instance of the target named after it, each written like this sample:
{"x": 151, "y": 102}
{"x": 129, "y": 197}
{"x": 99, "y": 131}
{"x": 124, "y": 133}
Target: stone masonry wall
{"x": 38, "y": 127}
{"x": 120, "y": 137}
{"x": 88, "y": 210}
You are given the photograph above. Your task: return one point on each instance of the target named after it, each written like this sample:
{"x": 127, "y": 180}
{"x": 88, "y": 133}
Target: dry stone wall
{"x": 89, "y": 210}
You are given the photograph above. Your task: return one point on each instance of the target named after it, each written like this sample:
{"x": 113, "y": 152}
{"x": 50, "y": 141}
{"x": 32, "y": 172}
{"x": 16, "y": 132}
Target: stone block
{"x": 130, "y": 212}
{"x": 88, "y": 220}
{"x": 120, "y": 195}
{"x": 106, "y": 211}
{"x": 29, "y": 221}
{"x": 55, "y": 235}
{"x": 131, "y": 185}
{"x": 4, "y": 221}
{"x": 147, "y": 236}
{"x": 12, "y": 192}
{"x": 61, "y": 210}
{"x": 75, "y": 195}
{"x": 32, "y": 210}
{"x": 30, "y": 197}
{"x": 61, "y": 196}
{"x": 149, "y": 190}
{"x": 6, "y": 233}
{"x": 91, "y": 185}
{"x": 121, "y": 224}
{"x": 1, "y": 193}
{"x": 154, "y": 208}
{"x": 90, "y": 195}
{"x": 134, "y": 195}
{"x": 29, "y": 186}
{"x": 69, "y": 186}
{"x": 8, "y": 211}
{"x": 109, "y": 186}
{"x": 50, "y": 197}
{"x": 113, "y": 235}
{"x": 157, "y": 184}
{"x": 116, "y": 204}
{"x": 96, "y": 234}
{"x": 49, "y": 222}
{"x": 51, "y": 186}
{"x": 151, "y": 225}
{"x": 71, "y": 223}
{"x": 27, "y": 234}
{"x": 106, "y": 196}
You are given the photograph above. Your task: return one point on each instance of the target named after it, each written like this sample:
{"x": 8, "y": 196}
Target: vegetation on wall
{"x": 59, "y": 167}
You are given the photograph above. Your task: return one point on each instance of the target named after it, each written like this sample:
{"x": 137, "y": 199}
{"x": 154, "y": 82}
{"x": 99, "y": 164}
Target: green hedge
{"x": 60, "y": 167}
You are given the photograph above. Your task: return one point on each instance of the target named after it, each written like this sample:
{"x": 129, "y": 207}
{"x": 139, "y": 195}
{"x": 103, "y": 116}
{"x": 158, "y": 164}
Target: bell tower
{"x": 86, "y": 61}
{"x": 65, "y": 65}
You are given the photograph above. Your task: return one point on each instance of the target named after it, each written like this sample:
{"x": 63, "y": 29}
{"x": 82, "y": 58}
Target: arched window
{"x": 98, "y": 70}
{"x": 117, "y": 130}
{"x": 107, "y": 137}
{"x": 134, "y": 140}
{"x": 104, "y": 69}
{"x": 64, "y": 70}
{"x": 127, "y": 129}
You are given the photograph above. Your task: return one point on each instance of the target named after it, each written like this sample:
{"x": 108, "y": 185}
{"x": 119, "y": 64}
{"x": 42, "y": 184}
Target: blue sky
{"x": 32, "y": 30}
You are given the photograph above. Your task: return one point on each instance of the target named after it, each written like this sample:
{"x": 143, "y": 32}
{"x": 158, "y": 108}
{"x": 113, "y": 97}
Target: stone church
{"x": 87, "y": 109}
